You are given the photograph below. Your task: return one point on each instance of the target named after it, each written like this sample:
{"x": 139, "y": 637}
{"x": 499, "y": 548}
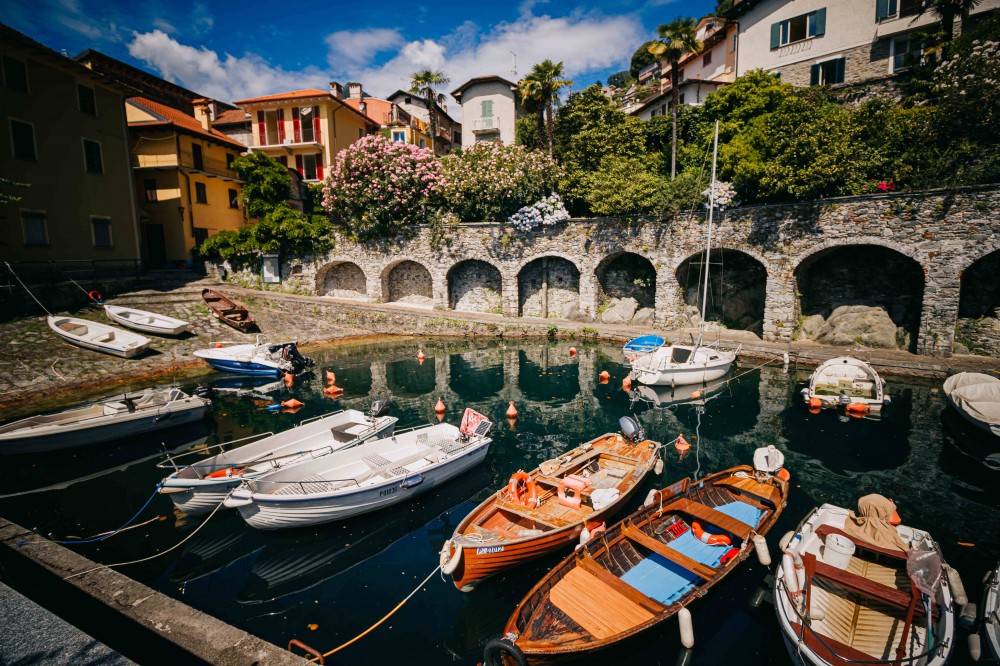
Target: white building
{"x": 490, "y": 107}
{"x": 825, "y": 42}
{"x": 449, "y": 131}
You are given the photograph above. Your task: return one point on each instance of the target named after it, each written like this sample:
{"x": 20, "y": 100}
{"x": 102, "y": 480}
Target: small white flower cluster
{"x": 546, "y": 212}
{"x": 724, "y": 194}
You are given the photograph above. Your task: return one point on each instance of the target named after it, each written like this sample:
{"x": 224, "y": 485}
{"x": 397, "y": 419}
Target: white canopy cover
{"x": 977, "y": 397}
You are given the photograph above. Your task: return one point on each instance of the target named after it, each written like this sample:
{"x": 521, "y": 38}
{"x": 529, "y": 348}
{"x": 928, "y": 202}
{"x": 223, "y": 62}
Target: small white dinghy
{"x": 365, "y": 478}
{"x": 976, "y": 397}
{"x": 99, "y": 337}
{"x": 200, "y": 487}
{"x": 847, "y": 382}
{"x": 111, "y": 418}
{"x": 851, "y": 588}
{"x": 679, "y": 365}
{"x": 147, "y": 322}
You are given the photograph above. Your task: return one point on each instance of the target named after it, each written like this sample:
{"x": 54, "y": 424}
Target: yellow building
{"x": 305, "y": 129}
{"x": 64, "y": 135}
{"x": 186, "y": 188}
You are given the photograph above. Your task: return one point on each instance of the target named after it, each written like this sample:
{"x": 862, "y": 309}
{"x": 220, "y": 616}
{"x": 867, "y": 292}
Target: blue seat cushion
{"x": 659, "y": 578}
{"x": 746, "y": 514}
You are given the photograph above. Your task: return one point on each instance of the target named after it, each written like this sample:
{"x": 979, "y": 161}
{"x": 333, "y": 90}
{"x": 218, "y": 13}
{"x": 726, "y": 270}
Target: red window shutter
{"x": 319, "y": 165}
{"x": 283, "y": 159}
{"x": 298, "y": 163}
{"x": 281, "y": 125}
{"x": 316, "y": 130}
{"x": 296, "y": 128}
{"x": 261, "y": 128}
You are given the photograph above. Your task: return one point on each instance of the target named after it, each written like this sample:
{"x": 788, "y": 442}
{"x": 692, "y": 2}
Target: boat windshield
{"x": 680, "y": 355}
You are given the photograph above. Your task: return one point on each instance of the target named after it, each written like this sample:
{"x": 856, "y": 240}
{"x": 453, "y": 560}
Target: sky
{"x": 231, "y": 51}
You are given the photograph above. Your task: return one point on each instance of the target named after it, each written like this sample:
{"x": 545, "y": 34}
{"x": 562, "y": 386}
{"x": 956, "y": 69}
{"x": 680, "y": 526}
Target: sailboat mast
{"x": 708, "y": 244}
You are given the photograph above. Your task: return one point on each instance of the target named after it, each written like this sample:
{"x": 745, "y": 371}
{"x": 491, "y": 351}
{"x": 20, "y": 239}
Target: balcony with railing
{"x": 187, "y": 161}
{"x": 304, "y": 136}
{"x": 487, "y": 125}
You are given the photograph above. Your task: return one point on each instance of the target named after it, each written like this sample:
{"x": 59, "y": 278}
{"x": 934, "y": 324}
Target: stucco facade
{"x": 449, "y": 131}
{"x": 490, "y": 109}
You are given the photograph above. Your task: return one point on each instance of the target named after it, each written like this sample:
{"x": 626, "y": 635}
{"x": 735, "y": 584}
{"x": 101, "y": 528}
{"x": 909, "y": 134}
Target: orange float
{"x": 815, "y": 403}
{"x": 420, "y": 355}
{"x": 226, "y": 473}
{"x": 511, "y": 411}
{"x": 784, "y": 474}
{"x": 682, "y": 444}
{"x": 439, "y": 408}
{"x": 857, "y": 408}
{"x": 292, "y": 403}
{"x": 289, "y": 379}
{"x": 604, "y": 376}
{"x": 572, "y": 351}
{"x": 627, "y": 383}
{"x": 331, "y": 377}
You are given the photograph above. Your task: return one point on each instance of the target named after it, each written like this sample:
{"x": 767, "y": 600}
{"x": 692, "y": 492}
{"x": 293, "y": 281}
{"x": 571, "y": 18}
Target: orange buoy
{"x": 420, "y": 355}
{"x": 696, "y": 394}
{"x": 289, "y": 379}
{"x": 331, "y": 377}
{"x": 512, "y": 411}
{"x": 857, "y": 408}
{"x": 814, "y": 410}
{"x": 218, "y": 345}
{"x": 440, "y": 417}
{"x": 439, "y": 407}
{"x": 894, "y": 519}
{"x": 511, "y": 422}
{"x": 815, "y": 403}
{"x": 627, "y": 382}
{"x": 292, "y": 403}
{"x": 605, "y": 376}
{"x": 682, "y": 444}
{"x": 572, "y": 351}
{"x": 333, "y": 389}
{"x": 784, "y": 474}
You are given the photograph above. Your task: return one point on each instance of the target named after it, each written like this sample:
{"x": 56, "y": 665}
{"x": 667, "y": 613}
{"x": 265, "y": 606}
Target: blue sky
{"x": 231, "y": 50}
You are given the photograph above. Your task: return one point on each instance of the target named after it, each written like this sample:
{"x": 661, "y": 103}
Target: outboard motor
{"x": 379, "y": 408}
{"x": 203, "y": 391}
{"x": 631, "y": 429}
{"x": 299, "y": 362}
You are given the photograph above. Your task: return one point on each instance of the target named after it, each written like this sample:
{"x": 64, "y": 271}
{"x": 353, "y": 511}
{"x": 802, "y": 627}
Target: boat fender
{"x": 975, "y": 647}
{"x": 450, "y": 560}
{"x": 957, "y": 588}
{"x": 760, "y": 545}
{"x": 710, "y": 539}
{"x": 785, "y": 540}
{"x": 817, "y": 614}
{"x": 886, "y": 401}
{"x": 651, "y": 497}
{"x": 686, "y": 626}
{"x": 498, "y": 648}
{"x": 236, "y": 502}
{"x": 658, "y": 466}
{"x": 814, "y": 403}
{"x": 227, "y": 473}
{"x": 584, "y": 536}
{"x": 967, "y": 616}
{"x": 791, "y": 580}
{"x": 858, "y": 408}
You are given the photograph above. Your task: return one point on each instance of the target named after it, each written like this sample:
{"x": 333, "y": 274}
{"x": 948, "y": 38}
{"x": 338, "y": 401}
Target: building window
{"x": 100, "y": 227}
{"x": 88, "y": 100}
{"x": 34, "y": 227}
{"x": 22, "y": 140}
{"x": 827, "y": 73}
{"x": 309, "y": 167}
{"x": 891, "y": 9}
{"x": 680, "y": 100}
{"x": 197, "y": 157}
{"x": 706, "y": 59}
{"x": 229, "y": 160}
{"x": 15, "y": 74}
{"x": 423, "y": 142}
{"x": 149, "y": 185}
{"x": 200, "y": 236}
{"x": 234, "y": 198}
{"x": 487, "y": 108}
{"x": 906, "y": 52}
{"x": 732, "y": 44}
{"x": 799, "y": 28}
{"x": 408, "y": 101}
{"x": 361, "y": 132}
{"x": 399, "y": 136}
{"x": 200, "y": 193}
{"x": 92, "y": 157}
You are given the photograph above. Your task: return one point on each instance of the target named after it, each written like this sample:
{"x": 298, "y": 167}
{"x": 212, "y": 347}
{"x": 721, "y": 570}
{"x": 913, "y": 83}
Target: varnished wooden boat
{"x": 229, "y": 311}
{"x": 648, "y": 567}
{"x": 504, "y": 530}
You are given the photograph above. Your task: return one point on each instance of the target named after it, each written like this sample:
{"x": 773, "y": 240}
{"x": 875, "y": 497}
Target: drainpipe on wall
{"x": 187, "y": 187}
{"x": 333, "y": 124}
{"x": 131, "y": 189}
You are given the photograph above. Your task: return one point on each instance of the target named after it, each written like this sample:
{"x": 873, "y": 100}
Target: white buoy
{"x": 687, "y": 627}
{"x": 784, "y": 358}
{"x": 957, "y": 588}
{"x": 650, "y": 498}
{"x": 817, "y": 614}
{"x": 658, "y": 466}
{"x": 785, "y": 540}
{"x": 760, "y": 545}
{"x": 584, "y": 536}
{"x": 975, "y": 647}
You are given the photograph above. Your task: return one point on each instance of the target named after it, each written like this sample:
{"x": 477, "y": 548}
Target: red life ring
{"x": 522, "y": 489}
{"x": 95, "y": 296}
{"x": 226, "y": 473}
{"x": 710, "y": 539}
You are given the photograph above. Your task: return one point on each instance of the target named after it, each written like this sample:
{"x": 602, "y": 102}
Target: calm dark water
{"x": 342, "y": 577}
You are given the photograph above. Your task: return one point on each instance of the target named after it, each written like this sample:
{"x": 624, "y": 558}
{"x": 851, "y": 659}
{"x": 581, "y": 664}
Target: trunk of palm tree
{"x": 432, "y": 118}
{"x": 548, "y": 121}
{"x": 675, "y": 99}
{"x": 541, "y": 127}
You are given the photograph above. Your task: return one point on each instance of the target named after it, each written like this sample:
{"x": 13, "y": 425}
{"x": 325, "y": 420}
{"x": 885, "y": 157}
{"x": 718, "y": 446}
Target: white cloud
{"x": 225, "y": 78}
{"x": 357, "y": 46}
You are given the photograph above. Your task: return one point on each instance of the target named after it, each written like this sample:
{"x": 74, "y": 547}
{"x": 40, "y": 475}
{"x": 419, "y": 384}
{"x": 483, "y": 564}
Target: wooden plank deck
{"x": 595, "y": 605}
{"x": 717, "y": 518}
{"x": 763, "y": 491}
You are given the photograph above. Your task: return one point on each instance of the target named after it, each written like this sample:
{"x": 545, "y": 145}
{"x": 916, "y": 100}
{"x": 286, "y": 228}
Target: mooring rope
{"x": 26, "y": 289}
{"x": 384, "y": 618}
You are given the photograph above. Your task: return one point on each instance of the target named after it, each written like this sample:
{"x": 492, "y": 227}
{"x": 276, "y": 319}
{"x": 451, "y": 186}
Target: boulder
{"x": 573, "y": 313}
{"x": 959, "y": 348}
{"x": 643, "y": 317}
{"x": 859, "y": 324}
{"x": 811, "y": 326}
{"x": 620, "y": 311}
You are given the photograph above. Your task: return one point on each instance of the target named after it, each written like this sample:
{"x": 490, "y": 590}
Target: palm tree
{"x": 677, "y": 39}
{"x": 948, "y": 11}
{"x": 531, "y": 92}
{"x": 542, "y": 85}
{"x": 422, "y": 83}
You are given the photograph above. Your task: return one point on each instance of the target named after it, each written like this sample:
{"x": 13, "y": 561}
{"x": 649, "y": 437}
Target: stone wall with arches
{"x": 569, "y": 269}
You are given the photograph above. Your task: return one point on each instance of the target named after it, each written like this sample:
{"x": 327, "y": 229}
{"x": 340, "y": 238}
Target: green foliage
{"x": 621, "y": 79}
{"x": 526, "y": 133}
{"x": 640, "y": 59}
{"x": 637, "y": 186}
{"x": 268, "y": 184}
{"x": 283, "y": 230}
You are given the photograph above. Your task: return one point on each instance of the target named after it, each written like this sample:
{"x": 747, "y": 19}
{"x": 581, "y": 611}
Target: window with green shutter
{"x": 799, "y": 28}
{"x": 828, "y": 73}
{"x": 487, "y": 108}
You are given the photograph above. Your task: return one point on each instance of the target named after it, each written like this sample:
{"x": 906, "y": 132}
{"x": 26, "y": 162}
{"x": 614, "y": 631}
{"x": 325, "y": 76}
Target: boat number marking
{"x": 489, "y": 549}
{"x": 387, "y": 491}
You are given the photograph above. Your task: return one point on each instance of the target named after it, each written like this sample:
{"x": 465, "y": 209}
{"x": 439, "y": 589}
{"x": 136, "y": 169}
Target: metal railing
{"x": 486, "y": 124}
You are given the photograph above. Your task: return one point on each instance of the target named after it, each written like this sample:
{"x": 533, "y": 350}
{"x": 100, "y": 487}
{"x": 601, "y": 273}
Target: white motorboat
{"x": 147, "y": 322}
{"x": 261, "y": 359}
{"x": 989, "y": 619}
{"x": 666, "y": 396}
{"x": 847, "y": 382}
{"x": 199, "y": 487}
{"x": 365, "y": 478}
{"x": 676, "y": 365}
{"x": 110, "y": 418}
{"x": 976, "y": 397}
{"x": 851, "y": 588}
{"x": 99, "y": 337}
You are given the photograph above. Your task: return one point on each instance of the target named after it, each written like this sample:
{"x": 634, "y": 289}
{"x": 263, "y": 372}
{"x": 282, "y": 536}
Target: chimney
{"x": 354, "y": 90}
{"x": 202, "y": 113}
{"x": 362, "y": 106}
{"x": 336, "y": 90}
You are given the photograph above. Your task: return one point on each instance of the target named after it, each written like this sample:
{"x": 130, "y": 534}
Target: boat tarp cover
{"x": 977, "y": 395}
{"x": 871, "y": 523}
{"x": 645, "y": 343}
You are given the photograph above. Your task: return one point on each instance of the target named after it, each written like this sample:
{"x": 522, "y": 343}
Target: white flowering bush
{"x": 544, "y": 212}
{"x": 725, "y": 193}
{"x": 968, "y": 86}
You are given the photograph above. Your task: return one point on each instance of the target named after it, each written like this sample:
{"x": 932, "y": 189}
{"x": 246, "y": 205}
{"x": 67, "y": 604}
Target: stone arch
{"x": 622, "y": 276}
{"x": 866, "y": 277}
{"x": 807, "y": 252}
{"x": 342, "y": 279}
{"x": 548, "y": 286}
{"x": 978, "y": 326}
{"x": 475, "y": 286}
{"x": 737, "y": 288}
{"x": 406, "y": 281}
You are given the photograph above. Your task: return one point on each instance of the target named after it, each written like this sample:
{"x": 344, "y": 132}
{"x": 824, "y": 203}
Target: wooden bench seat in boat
{"x": 824, "y": 530}
{"x": 633, "y": 533}
{"x": 762, "y": 491}
{"x": 891, "y": 596}
{"x": 600, "y": 607}
{"x": 588, "y": 563}
{"x": 717, "y": 518}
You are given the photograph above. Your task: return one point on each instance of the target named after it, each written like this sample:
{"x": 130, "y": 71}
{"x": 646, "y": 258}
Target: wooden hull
{"x": 591, "y": 600}
{"x": 228, "y": 311}
{"x": 147, "y": 322}
{"x": 504, "y": 549}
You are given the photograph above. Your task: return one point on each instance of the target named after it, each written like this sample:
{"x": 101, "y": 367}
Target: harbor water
{"x": 324, "y": 585}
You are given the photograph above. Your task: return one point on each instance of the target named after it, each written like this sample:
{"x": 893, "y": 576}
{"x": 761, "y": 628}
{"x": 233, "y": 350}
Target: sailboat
{"x": 675, "y": 365}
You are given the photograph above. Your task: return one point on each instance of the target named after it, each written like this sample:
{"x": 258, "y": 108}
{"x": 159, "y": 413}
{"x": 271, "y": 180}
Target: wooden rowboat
{"x": 561, "y": 502}
{"x": 648, "y": 567}
{"x": 99, "y": 337}
{"x": 229, "y": 311}
{"x": 147, "y": 322}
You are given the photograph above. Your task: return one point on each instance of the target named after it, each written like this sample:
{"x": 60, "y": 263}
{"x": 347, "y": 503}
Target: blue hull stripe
{"x": 244, "y": 368}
